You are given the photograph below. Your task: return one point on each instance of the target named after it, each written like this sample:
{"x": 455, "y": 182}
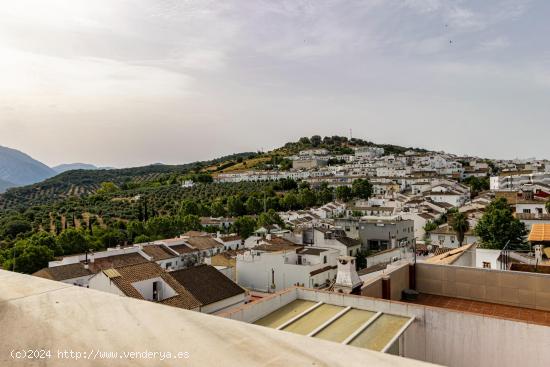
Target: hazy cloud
{"x": 127, "y": 82}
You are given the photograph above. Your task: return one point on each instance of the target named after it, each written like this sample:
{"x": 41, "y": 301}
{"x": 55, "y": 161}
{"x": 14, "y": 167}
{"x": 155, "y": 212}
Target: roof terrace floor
{"x": 528, "y": 315}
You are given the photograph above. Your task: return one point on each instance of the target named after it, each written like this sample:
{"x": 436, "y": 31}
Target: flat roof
{"x": 65, "y": 317}
{"x": 528, "y": 315}
{"x": 346, "y": 325}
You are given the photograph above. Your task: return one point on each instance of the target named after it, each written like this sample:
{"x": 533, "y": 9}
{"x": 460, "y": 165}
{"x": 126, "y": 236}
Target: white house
{"x": 335, "y": 238}
{"x": 270, "y": 269}
{"x": 445, "y": 236}
{"x": 146, "y": 281}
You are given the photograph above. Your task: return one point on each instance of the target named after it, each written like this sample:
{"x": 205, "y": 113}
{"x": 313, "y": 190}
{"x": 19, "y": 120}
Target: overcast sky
{"x": 125, "y": 83}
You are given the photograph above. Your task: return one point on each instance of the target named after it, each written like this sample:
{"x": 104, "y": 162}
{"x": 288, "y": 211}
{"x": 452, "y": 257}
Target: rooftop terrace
{"x": 523, "y": 314}
{"x": 36, "y": 313}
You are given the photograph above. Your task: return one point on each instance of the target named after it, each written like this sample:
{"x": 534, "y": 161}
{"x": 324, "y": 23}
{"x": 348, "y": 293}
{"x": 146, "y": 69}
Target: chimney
{"x": 347, "y": 279}
{"x": 538, "y": 254}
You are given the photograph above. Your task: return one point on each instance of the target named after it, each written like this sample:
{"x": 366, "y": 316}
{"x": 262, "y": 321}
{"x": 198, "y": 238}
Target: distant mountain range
{"x": 72, "y": 166}
{"x": 20, "y": 169}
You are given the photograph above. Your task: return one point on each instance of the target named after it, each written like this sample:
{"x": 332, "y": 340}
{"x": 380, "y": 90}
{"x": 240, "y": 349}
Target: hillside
{"x": 20, "y": 169}
{"x": 78, "y": 183}
{"x": 73, "y": 166}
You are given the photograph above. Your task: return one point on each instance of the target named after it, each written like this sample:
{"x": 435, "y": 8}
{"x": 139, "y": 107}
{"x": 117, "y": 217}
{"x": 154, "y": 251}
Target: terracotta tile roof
{"x": 206, "y": 284}
{"x": 449, "y": 257}
{"x": 278, "y": 247}
{"x": 540, "y": 233}
{"x": 322, "y": 270}
{"x": 158, "y": 252}
{"x": 203, "y": 243}
{"x": 348, "y": 242}
{"x": 63, "y": 272}
{"x": 311, "y": 251}
{"x": 135, "y": 273}
{"x": 279, "y": 241}
{"x": 116, "y": 261}
{"x": 183, "y": 249}
{"x": 231, "y": 238}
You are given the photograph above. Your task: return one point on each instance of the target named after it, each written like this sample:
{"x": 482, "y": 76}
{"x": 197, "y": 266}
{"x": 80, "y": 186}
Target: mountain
{"x": 4, "y": 185}
{"x": 19, "y": 169}
{"x": 72, "y": 166}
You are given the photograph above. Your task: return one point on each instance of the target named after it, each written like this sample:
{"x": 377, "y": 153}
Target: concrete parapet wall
{"x": 530, "y": 290}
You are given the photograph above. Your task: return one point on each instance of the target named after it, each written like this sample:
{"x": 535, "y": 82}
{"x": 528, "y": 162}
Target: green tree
{"x": 135, "y": 228}
{"x": 14, "y": 227}
{"x": 29, "y": 258}
{"x": 315, "y": 140}
{"x": 161, "y": 227}
{"x": 307, "y": 198}
{"x": 361, "y": 259}
{"x": 217, "y": 209}
{"x": 142, "y": 238}
{"x": 290, "y": 201}
{"x": 326, "y": 193}
{"x": 253, "y": 205}
{"x": 244, "y": 226}
{"x": 47, "y": 240}
{"x": 190, "y": 223}
{"x": 498, "y": 225}
{"x": 73, "y": 241}
{"x": 112, "y": 237}
{"x": 235, "y": 206}
{"x": 189, "y": 207}
{"x": 344, "y": 193}
{"x": 362, "y": 189}
{"x": 477, "y": 184}
{"x": 107, "y": 188}
{"x": 271, "y": 217}
{"x": 460, "y": 225}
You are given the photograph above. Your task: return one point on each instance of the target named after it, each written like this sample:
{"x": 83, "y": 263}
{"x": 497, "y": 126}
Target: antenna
{"x": 350, "y": 134}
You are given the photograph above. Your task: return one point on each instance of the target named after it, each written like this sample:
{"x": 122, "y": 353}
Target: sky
{"x": 127, "y": 83}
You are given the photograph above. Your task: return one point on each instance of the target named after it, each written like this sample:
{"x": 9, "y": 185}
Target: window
{"x": 441, "y": 238}
{"x": 324, "y": 259}
{"x": 168, "y": 265}
{"x": 527, "y": 211}
{"x": 350, "y": 252}
{"x": 486, "y": 265}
